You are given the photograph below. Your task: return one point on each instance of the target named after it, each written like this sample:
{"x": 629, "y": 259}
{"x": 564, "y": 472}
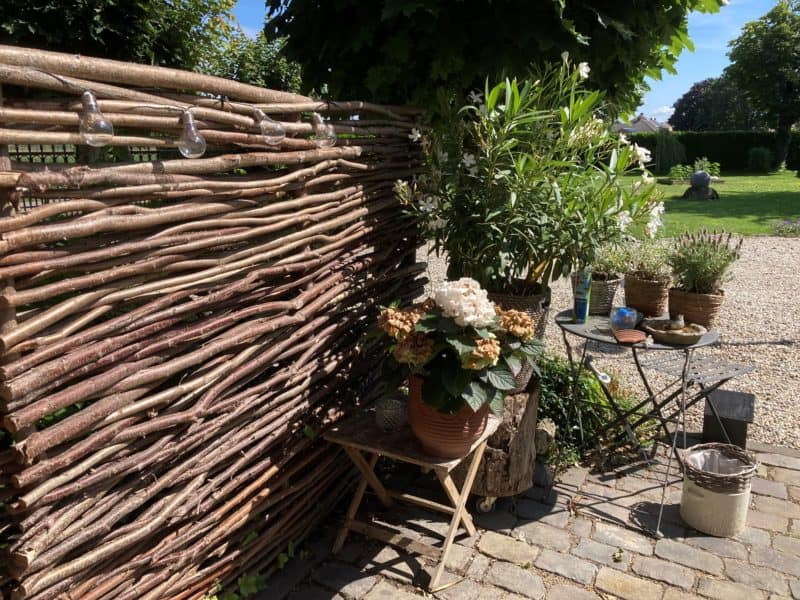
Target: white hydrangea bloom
{"x": 583, "y": 70}
{"x": 465, "y": 302}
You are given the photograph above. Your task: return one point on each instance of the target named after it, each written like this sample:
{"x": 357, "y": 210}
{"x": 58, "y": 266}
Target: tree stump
{"x": 508, "y": 463}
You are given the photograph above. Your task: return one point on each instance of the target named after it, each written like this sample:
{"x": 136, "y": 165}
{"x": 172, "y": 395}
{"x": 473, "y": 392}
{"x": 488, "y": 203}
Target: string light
{"x": 324, "y": 134}
{"x": 94, "y": 128}
{"x": 274, "y": 133}
{"x": 191, "y": 143}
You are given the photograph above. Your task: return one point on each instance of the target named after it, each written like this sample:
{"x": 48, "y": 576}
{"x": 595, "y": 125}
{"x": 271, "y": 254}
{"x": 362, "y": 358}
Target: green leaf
{"x": 483, "y": 333}
{"x": 497, "y": 404}
{"x": 461, "y": 344}
{"x": 309, "y": 432}
{"x": 427, "y": 323}
{"x": 514, "y": 362}
{"x": 475, "y": 395}
{"x": 283, "y": 558}
{"x": 500, "y": 379}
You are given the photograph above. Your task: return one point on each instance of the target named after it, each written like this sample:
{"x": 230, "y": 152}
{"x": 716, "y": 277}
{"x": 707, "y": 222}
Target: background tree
{"x": 400, "y": 50}
{"x": 174, "y": 34}
{"x": 765, "y": 64}
{"x": 716, "y": 104}
{"x": 258, "y": 61}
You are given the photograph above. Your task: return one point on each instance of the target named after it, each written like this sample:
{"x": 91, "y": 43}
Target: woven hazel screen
{"x": 176, "y": 332}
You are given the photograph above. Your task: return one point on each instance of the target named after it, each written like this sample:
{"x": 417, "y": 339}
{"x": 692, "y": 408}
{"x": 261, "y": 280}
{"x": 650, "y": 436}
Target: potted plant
{"x": 459, "y": 353}
{"x": 647, "y": 278}
{"x": 606, "y": 272}
{"x": 700, "y": 263}
{"x": 521, "y": 187}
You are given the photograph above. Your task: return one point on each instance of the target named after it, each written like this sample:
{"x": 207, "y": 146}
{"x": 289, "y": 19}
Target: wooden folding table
{"x": 364, "y": 442}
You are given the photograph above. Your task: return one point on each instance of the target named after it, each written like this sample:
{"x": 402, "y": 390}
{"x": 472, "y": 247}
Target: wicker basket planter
{"x": 649, "y": 297}
{"x": 537, "y": 306}
{"x": 603, "y": 292}
{"x": 702, "y": 309}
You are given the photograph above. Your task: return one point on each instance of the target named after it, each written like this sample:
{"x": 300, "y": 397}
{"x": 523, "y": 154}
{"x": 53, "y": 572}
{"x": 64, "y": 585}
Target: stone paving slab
{"x": 565, "y": 548}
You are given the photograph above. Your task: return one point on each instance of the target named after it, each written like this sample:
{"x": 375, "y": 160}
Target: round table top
{"x": 597, "y": 328}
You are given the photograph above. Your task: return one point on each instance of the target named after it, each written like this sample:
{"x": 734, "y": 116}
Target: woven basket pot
{"x": 537, "y": 306}
{"x": 602, "y": 298}
{"x": 441, "y": 434}
{"x": 702, "y": 309}
{"x": 647, "y": 296}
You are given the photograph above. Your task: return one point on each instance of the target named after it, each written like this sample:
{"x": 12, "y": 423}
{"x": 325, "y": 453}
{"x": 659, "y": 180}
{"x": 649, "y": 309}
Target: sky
{"x": 710, "y": 34}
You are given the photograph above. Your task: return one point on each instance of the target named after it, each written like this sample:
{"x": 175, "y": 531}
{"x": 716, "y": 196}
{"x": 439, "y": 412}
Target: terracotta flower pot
{"x": 648, "y": 297}
{"x": 441, "y": 434}
{"x": 701, "y": 309}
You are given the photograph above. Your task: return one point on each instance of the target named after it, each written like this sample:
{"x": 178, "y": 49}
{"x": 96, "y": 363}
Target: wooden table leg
{"x": 369, "y": 475}
{"x": 452, "y": 493}
{"x": 353, "y": 508}
{"x": 457, "y": 512}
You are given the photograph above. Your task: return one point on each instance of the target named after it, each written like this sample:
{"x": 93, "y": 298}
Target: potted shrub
{"x": 459, "y": 353}
{"x": 606, "y": 271}
{"x": 522, "y": 187}
{"x": 700, "y": 263}
{"x": 647, "y": 278}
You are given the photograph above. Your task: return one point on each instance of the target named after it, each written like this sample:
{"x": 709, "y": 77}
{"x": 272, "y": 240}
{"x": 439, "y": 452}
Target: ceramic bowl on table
{"x": 685, "y": 336}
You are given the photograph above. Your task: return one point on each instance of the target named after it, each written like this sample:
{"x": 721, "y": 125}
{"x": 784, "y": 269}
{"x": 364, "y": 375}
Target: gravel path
{"x": 759, "y": 325}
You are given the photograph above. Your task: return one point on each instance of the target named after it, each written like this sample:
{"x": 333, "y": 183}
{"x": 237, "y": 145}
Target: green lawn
{"x": 748, "y": 204}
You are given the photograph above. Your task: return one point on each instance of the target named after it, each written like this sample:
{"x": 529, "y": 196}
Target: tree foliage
{"x": 716, "y": 104}
{"x": 765, "y": 64}
{"x": 258, "y": 61}
{"x": 175, "y": 33}
{"x": 400, "y": 50}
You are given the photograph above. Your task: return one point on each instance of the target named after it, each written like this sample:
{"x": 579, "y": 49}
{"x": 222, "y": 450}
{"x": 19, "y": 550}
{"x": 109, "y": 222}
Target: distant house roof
{"x": 640, "y": 124}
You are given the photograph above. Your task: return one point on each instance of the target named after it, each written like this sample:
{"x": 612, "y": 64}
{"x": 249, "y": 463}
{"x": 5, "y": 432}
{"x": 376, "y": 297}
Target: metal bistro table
{"x": 361, "y": 434}
{"x": 694, "y": 378}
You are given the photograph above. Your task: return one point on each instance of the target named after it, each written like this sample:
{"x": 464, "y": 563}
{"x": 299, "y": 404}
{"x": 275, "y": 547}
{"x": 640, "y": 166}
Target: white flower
{"x": 415, "y": 135}
{"x": 473, "y": 171}
{"x": 483, "y": 110}
{"x": 437, "y": 224}
{"x": 475, "y": 97}
{"x": 583, "y": 70}
{"x": 624, "y": 140}
{"x": 429, "y": 204}
{"x": 642, "y": 154}
{"x": 465, "y": 302}
{"x": 657, "y": 210}
{"x": 565, "y": 56}
{"x": 468, "y": 160}
{"x": 400, "y": 186}
{"x": 653, "y": 225}
{"x": 624, "y": 219}
{"x": 647, "y": 180}
{"x": 724, "y": 2}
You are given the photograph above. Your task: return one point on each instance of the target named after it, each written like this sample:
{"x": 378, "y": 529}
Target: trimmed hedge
{"x": 729, "y": 148}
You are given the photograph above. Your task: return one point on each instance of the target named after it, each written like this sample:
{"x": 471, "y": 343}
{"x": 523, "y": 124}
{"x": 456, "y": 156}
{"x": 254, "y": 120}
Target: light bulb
{"x": 94, "y": 128}
{"x": 191, "y": 143}
{"x": 324, "y": 135}
{"x": 273, "y": 132}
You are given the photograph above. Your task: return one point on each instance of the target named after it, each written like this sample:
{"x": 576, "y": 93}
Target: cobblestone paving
{"x": 584, "y": 538}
